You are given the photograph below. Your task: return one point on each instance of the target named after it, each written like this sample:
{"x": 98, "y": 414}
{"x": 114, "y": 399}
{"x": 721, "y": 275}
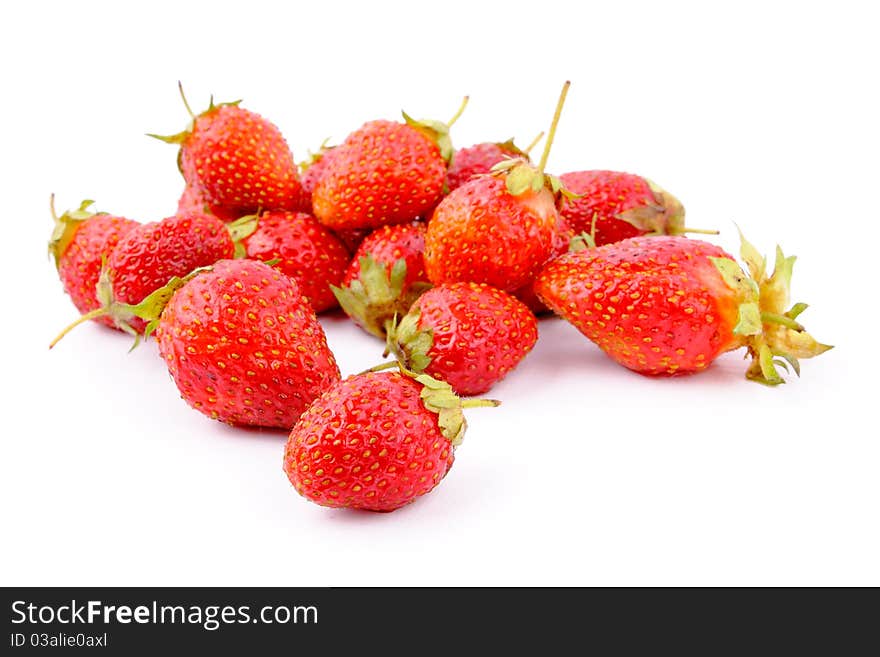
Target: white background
{"x": 763, "y": 113}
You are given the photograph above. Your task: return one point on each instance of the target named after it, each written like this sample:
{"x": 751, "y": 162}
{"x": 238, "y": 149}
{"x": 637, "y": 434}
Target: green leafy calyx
{"x": 377, "y": 296}
{"x": 766, "y": 326}
{"x": 65, "y": 226}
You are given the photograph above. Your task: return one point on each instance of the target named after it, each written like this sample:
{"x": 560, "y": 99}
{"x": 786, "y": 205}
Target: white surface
{"x": 763, "y": 113}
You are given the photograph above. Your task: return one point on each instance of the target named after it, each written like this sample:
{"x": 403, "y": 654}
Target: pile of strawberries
{"x": 445, "y": 255}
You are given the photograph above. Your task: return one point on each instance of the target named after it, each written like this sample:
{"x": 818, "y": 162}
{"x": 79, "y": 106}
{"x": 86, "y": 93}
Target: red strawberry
{"x": 384, "y": 173}
{"x": 671, "y": 305}
{"x": 192, "y": 200}
{"x": 467, "y": 334}
{"x": 479, "y": 159}
{"x": 148, "y": 256}
{"x": 306, "y": 250}
{"x": 496, "y": 229}
{"x": 376, "y": 441}
{"x": 239, "y": 161}
{"x": 561, "y": 243}
{"x": 313, "y": 168}
{"x": 620, "y": 205}
{"x": 80, "y": 242}
{"x": 241, "y": 343}
{"x": 385, "y": 276}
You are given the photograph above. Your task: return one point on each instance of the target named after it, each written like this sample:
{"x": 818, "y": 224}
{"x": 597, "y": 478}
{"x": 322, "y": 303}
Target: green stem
{"x": 456, "y": 116}
{"x": 552, "y": 132}
{"x": 528, "y": 149}
{"x": 381, "y": 367}
{"x": 97, "y": 312}
{"x": 479, "y": 403}
{"x": 185, "y": 103}
{"x": 699, "y": 231}
{"x": 775, "y": 318}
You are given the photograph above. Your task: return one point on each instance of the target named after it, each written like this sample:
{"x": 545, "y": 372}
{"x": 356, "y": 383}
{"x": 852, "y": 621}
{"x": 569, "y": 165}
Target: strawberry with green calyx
{"x": 376, "y": 441}
{"x": 467, "y": 334}
{"x": 238, "y": 160}
{"x": 480, "y": 158}
{"x": 80, "y": 241}
{"x": 304, "y": 249}
{"x": 665, "y": 305}
{"x": 149, "y": 255}
{"x": 312, "y": 168}
{"x": 496, "y": 229}
{"x": 384, "y": 173}
{"x": 385, "y": 276}
{"x": 241, "y": 343}
{"x": 621, "y": 205}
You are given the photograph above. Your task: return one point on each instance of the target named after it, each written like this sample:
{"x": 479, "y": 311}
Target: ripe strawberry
{"x": 670, "y": 305}
{"x": 479, "y": 159}
{"x": 385, "y": 276}
{"x": 80, "y": 241}
{"x": 384, "y": 173}
{"x": 241, "y": 343}
{"x": 306, "y": 251}
{"x": 620, "y": 205}
{"x": 239, "y": 161}
{"x": 192, "y": 200}
{"x": 148, "y": 256}
{"x": 467, "y": 334}
{"x": 496, "y": 229}
{"x": 313, "y": 168}
{"x": 376, "y": 441}
{"x": 561, "y": 243}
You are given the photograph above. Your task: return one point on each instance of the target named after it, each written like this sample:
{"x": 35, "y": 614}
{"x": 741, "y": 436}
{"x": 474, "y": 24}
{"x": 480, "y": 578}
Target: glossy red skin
{"x": 605, "y": 194}
{"x": 561, "y": 244}
{"x": 241, "y": 163}
{"x": 384, "y": 173}
{"x": 656, "y": 305}
{"x": 151, "y": 254}
{"x": 482, "y": 233}
{"x": 80, "y": 265}
{"x": 244, "y": 347}
{"x": 389, "y": 244}
{"x": 480, "y": 334}
{"x": 192, "y": 200}
{"x": 368, "y": 443}
{"x": 308, "y": 251}
{"x": 474, "y": 160}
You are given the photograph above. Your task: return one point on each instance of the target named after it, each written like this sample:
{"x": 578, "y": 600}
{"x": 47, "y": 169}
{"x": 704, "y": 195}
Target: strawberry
{"x": 496, "y": 229}
{"x": 467, "y": 334}
{"x": 242, "y": 344}
{"x": 313, "y": 168}
{"x": 479, "y": 159}
{"x": 614, "y": 206}
{"x": 80, "y": 241}
{"x": 384, "y": 173}
{"x": 376, "y": 441}
{"x": 561, "y": 242}
{"x": 385, "y": 276}
{"x": 239, "y": 161}
{"x": 193, "y": 200}
{"x": 670, "y": 305}
{"x": 305, "y": 250}
{"x": 148, "y": 256}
